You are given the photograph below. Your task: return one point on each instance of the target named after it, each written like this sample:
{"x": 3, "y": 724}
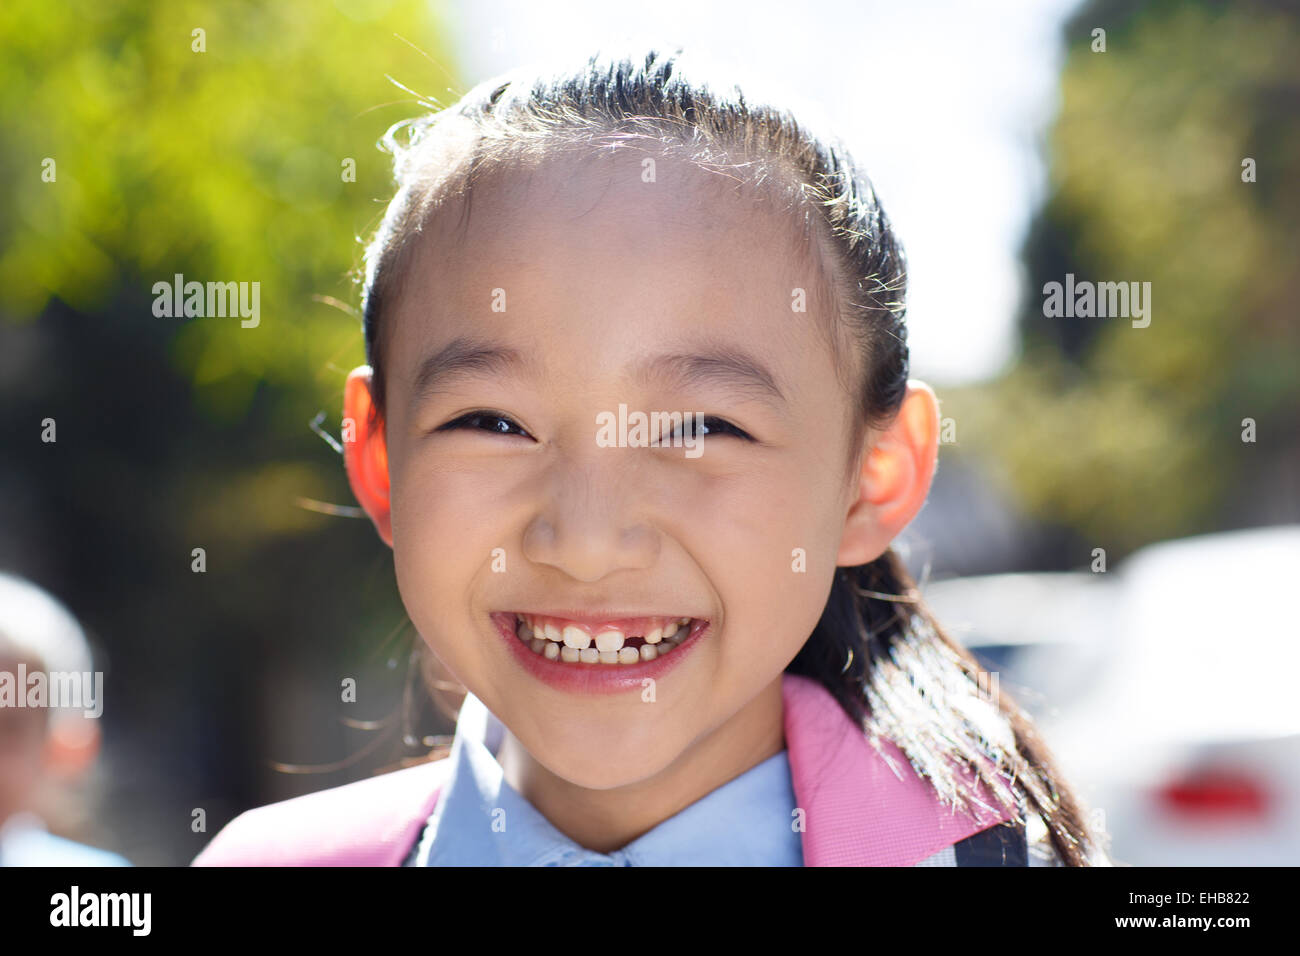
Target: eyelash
{"x": 464, "y": 422}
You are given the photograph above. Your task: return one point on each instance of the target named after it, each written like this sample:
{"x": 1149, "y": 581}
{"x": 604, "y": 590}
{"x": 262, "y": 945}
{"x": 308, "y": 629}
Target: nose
{"x": 587, "y": 524}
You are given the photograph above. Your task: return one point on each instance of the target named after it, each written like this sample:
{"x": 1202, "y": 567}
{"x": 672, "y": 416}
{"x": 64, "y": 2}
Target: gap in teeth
{"x": 606, "y": 647}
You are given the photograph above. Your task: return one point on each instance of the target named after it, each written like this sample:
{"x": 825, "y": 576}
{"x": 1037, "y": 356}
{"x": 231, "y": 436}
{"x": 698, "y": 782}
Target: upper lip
{"x": 590, "y": 617}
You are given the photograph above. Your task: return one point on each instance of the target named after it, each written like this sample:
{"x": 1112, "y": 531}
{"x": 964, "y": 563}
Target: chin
{"x": 606, "y": 767}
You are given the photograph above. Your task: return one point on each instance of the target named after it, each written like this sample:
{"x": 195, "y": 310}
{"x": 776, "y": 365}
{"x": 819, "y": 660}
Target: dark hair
{"x": 876, "y": 648}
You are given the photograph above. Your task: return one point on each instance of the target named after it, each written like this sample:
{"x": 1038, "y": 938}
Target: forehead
{"x": 608, "y": 256}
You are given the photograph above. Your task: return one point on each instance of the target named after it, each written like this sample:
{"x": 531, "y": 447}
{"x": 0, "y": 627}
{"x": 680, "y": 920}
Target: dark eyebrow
{"x": 463, "y": 356}
{"x": 718, "y": 366}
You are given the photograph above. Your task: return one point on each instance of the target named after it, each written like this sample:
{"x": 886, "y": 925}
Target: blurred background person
{"x": 45, "y": 751}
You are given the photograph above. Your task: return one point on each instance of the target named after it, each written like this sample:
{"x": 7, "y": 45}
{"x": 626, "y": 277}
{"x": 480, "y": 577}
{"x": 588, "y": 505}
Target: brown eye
{"x": 711, "y": 426}
{"x": 485, "y": 421}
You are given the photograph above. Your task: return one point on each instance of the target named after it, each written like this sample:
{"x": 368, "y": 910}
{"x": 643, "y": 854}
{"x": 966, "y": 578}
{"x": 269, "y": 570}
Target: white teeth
{"x": 609, "y": 641}
{"x": 576, "y": 637}
{"x": 573, "y": 645}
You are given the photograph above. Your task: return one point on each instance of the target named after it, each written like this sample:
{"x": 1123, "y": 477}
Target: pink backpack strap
{"x": 372, "y": 822}
{"x": 858, "y": 809}
{"x": 861, "y": 806}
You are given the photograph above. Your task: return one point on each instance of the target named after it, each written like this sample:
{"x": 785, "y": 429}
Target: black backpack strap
{"x": 1003, "y": 844}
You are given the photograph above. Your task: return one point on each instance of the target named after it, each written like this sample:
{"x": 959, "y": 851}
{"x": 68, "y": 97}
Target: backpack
{"x": 863, "y": 806}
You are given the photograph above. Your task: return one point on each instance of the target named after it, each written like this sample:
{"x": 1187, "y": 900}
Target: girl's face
{"x": 574, "y": 292}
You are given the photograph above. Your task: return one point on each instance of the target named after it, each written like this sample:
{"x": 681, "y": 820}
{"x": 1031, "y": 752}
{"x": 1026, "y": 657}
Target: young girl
{"x": 638, "y": 427}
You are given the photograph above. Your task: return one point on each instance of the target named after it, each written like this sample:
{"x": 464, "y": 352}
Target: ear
{"x": 894, "y": 480}
{"x": 365, "y": 452}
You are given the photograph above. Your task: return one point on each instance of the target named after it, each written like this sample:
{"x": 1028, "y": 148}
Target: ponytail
{"x": 893, "y": 669}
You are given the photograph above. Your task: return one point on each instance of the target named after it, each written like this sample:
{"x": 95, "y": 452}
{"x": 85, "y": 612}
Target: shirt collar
{"x": 482, "y": 821}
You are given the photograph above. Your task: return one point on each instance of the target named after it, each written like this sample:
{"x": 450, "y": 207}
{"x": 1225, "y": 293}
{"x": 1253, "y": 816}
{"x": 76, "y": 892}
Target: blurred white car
{"x": 1168, "y": 688}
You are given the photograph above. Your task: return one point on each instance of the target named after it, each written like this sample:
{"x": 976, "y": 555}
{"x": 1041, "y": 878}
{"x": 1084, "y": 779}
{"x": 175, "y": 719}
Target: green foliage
{"x": 224, "y": 165}
{"x": 1134, "y": 434}
{"x": 182, "y": 433}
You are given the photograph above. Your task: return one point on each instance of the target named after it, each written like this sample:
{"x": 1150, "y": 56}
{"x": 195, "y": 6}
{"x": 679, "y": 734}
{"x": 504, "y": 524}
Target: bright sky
{"x": 944, "y": 103}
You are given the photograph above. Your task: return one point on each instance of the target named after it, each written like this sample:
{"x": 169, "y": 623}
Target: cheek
{"x": 439, "y": 511}
{"x": 773, "y": 603}
{"x": 442, "y": 540}
{"x": 772, "y": 524}
{"x": 772, "y": 550}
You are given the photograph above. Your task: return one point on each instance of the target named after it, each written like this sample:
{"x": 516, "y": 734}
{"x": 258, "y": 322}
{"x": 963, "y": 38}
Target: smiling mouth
{"x": 630, "y": 642}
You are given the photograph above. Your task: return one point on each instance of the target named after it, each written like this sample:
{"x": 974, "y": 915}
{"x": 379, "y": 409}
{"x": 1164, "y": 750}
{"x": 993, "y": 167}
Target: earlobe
{"x": 894, "y": 479}
{"x": 365, "y": 452}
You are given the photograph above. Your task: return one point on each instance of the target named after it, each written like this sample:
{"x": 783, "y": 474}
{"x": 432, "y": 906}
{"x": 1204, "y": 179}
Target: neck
{"x": 607, "y": 820}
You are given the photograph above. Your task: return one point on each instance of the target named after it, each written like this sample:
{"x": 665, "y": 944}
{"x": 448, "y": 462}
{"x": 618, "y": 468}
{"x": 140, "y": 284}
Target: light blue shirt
{"x": 24, "y": 841}
{"x": 481, "y": 820}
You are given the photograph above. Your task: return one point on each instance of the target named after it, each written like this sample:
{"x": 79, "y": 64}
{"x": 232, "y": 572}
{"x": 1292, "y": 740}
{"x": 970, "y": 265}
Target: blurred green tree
{"x": 213, "y": 140}
{"x": 218, "y": 154}
{"x": 1128, "y": 435}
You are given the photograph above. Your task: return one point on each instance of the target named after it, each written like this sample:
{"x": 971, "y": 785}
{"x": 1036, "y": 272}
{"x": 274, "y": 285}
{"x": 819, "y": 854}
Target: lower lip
{"x": 576, "y": 678}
